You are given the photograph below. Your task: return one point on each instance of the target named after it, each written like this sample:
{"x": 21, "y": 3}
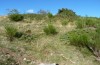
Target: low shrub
{"x": 50, "y": 29}
{"x": 16, "y": 17}
{"x": 78, "y": 39}
{"x": 18, "y": 34}
{"x": 10, "y": 32}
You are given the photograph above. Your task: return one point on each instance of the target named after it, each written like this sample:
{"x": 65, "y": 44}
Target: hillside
{"x": 35, "y": 46}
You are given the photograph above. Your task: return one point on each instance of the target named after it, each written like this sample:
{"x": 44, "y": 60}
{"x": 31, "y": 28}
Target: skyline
{"x": 81, "y": 7}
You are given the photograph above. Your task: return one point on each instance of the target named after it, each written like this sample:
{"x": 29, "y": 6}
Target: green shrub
{"x": 67, "y": 13}
{"x": 77, "y": 39}
{"x": 16, "y": 17}
{"x": 50, "y": 29}
{"x": 10, "y": 31}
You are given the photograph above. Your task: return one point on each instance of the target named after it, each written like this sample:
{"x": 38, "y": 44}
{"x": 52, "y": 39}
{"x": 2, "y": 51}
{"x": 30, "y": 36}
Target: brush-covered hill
{"x": 65, "y": 39}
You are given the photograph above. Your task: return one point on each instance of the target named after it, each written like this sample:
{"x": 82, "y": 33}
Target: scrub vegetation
{"x": 64, "y": 38}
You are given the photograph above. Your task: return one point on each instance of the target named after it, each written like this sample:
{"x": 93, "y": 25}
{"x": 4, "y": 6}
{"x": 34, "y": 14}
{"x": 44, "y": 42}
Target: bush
{"x": 16, "y": 17}
{"x": 10, "y": 31}
{"x": 18, "y": 34}
{"x": 50, "y": 29}
{"x": 67, "y": 13}
{"x": 77, "y": 39}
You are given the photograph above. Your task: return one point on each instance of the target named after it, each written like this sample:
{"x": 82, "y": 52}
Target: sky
{"x": 81, "y": 7}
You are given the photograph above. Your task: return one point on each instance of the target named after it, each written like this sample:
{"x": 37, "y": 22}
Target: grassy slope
{"x": 46, "y": 48}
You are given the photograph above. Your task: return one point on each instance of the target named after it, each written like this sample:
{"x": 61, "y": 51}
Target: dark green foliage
{"x": 10, "y": 32}
{"x": 16, "y": 17}
{"x": 18, "y": 34}
{"x": 67, "y": 13}
{"x": 50, "y": 29}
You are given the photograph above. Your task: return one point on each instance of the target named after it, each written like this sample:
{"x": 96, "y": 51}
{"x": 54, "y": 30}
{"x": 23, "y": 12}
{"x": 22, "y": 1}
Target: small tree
{"x": 15, "y": 16}
{"x": 67, "y": 13}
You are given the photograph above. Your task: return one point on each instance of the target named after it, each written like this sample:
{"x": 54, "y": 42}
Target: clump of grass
{"x": 10, "y": 31}
{"x": 50, "y": 29}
